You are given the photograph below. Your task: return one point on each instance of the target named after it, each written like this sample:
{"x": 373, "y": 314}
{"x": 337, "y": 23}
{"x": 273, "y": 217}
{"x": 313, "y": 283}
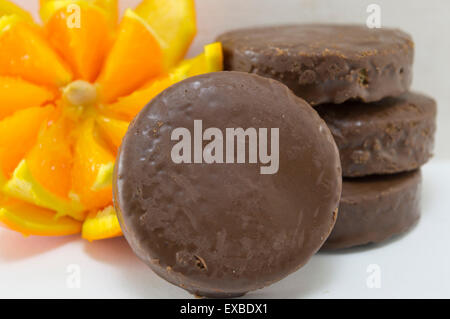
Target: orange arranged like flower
{"x": 68, "y": 90}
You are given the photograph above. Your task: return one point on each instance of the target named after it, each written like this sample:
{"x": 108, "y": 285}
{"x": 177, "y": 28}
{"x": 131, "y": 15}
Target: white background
{"x": 415, "y": 265}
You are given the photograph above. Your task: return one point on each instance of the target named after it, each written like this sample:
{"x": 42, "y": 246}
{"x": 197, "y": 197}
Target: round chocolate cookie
{"x": 325, "y": 63}
{"x": 390, "y": 136}
{"x": 219, "y": 219}
{"x": 375, "y": 208}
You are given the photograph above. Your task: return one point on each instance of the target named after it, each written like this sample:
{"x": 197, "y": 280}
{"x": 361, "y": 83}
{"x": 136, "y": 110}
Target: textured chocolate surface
{"x": 390, "y": 136}
{"x": 325, "y": 63}
{"x": 375, "y": 208}
{"x": 221, "y": 230}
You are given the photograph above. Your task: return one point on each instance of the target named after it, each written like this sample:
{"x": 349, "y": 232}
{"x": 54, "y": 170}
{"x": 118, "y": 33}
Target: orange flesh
{"x": 89, "y": 155}
{"x": 129, "y": 106}
{"x": 25, "y": 53}
{"x": 12, "y": 97}
{"x": 135, "y": 57}
{"x": 110, "y": 7}
{"x": 18, "y": 134}
{"x": 84, "y": 48}
{"x": 50, "y": 160}
{"x": 113, "y": 130}
{"x": 174, "y": 21}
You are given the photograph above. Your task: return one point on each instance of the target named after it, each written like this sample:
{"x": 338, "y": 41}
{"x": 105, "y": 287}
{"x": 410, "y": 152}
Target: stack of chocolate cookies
{"x": 358, "y": 80}
{"x": 221, "y": 228}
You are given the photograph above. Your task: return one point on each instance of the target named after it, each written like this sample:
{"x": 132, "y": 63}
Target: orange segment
{"x": 135, "y": 57}
{"x": 127, "y": 107}
{"x": 18, "y": 134}
{"x": 110, "y": 7}
{"x": 25, "y": 53}
{"x": 9, "y": 8}
{"x": 50, "y": 160}
{"x": 32, "y": 220}
{"x": 91, "y": 160}
{"x": 174, "y": 21}
{"x": 113, "y": 130}
{"x": 211, "y": 60}
{"x": 17, "y": 94}
{"x": 83, "y": 47}
{"x": 101, "y": 225}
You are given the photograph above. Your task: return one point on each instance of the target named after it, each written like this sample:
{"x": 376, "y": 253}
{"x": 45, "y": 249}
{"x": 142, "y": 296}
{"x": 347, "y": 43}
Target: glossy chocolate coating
{"x": 325, "y": 63}
{"x": 390, "y": 136}
{"x": 375, "y": 208}
{"x": 221, "y": 230}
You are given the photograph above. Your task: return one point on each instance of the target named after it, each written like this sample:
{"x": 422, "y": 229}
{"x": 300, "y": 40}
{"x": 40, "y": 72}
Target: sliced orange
{"x": 12, "y": 97}
{"x": 101, "y": 225}
{"x": 24, "y": 186}
{"x": 135, "y": 57}
{"x": 92, "y": 168}
{"x": 174, "y": 21}
{"x": 110, "y": 7}
{"x": 67, "y": 93}
{"x": 50, "y": 160}
{"x": 113, "y": 130}
{"x": 10, "y": 8}
{"x": 85, "y": 46}
{"x": 33, "y": 220}
{"x": 211, "y": 60}
{"x": 127, "y": 107}
{"x": 18, "y": 134}
{"x": 25, "y": 53}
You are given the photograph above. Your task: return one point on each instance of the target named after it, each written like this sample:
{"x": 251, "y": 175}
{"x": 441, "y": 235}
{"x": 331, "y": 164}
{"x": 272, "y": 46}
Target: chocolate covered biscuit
{"x": 325, "y": 63}
{"x": 225, "y": 227}
{"x": 375, "y": 208}
{"x": 390, "y": 136}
